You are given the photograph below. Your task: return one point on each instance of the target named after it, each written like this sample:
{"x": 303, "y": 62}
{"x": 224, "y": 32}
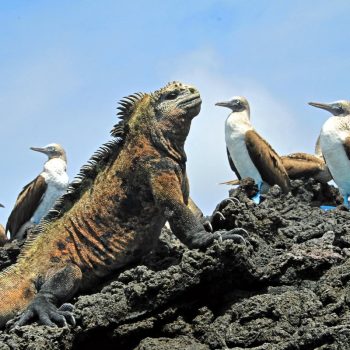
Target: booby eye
{"x": 340, "y": 108}
{"x": 171, "y": 95}
{"x": 51, "y": 149}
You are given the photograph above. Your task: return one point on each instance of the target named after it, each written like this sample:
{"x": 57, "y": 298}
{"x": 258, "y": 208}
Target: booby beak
{"x": 39, "y": 149}
{"x": 223, "y": 104}
{"x": 326, "y": 106}
{"x": 1, "y": 206}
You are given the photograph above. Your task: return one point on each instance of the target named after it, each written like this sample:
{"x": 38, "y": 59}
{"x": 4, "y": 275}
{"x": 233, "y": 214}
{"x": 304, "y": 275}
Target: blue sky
{"x": 64, "y": 65}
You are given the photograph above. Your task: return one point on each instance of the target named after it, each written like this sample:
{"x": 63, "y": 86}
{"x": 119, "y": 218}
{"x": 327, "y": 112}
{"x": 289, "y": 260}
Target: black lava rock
{"x": 288, "y": 288}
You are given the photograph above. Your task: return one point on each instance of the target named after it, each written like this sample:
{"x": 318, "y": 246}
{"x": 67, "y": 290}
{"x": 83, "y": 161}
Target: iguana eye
{"x": 171, "y": 95}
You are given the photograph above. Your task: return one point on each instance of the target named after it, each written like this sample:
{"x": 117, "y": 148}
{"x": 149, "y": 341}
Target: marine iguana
{"x": 114, "y": 211}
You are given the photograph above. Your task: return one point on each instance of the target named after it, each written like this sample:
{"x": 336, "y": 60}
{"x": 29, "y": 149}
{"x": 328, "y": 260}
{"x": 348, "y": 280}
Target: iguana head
{"x": 176, "y": 101}
{"x": 165, "y": 115}
{"x": 174, "y": 107}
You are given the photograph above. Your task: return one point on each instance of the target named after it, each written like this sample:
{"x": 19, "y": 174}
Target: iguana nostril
{"x": 192, "y": 90}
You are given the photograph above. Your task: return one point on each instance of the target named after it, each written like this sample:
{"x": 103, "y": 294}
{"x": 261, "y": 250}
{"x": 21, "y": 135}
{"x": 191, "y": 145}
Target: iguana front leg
{"x": 169, "y": 198}
{"x": 59, "y": 286}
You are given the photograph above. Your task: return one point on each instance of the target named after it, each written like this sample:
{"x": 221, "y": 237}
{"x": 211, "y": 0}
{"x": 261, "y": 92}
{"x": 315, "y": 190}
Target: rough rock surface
{"x": 288, "y": 288}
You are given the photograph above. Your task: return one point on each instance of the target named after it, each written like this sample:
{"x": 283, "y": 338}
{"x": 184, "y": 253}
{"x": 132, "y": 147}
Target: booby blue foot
{"x": 327, "y": 207}
{"x": 346, "y": 201}
{"x": 256, "y": 198}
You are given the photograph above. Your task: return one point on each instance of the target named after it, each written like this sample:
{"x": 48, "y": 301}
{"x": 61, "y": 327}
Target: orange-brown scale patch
{"x": 15, "y": 294}
{"x": 167, "y": 185}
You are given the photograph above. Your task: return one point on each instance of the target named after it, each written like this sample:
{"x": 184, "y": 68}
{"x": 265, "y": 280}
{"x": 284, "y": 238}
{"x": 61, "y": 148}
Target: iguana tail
{"x": 16, "y": 292}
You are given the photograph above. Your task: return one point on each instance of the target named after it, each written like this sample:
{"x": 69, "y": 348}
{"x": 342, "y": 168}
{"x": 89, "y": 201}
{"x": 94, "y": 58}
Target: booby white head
{"x": 39, "y": 196}
{"x": 236, "y": 104}
{"x": 335, "y": 143}
{"x": 52, "y": 150}
{"x": 248, "y": 153}
{"x": 339, "y": 108}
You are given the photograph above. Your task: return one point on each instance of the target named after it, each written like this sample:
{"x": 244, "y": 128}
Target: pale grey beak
{"x": 223, "y": 104}
{"x": 326, "y": 106}
{"x": 39, "y": 149}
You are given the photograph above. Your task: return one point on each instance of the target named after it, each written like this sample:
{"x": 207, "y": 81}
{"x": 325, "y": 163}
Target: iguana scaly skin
{"x": 114, "y": 211}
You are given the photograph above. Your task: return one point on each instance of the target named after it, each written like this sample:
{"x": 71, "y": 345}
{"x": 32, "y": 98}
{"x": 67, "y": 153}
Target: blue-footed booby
{"x": 335, "y": 143}
{"x": 248, "y": 153}
{"x": 301, "y": 165}
{"x": 39, "y": 196}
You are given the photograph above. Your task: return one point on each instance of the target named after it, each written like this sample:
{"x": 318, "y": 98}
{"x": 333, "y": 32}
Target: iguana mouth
{"x": 190, "y": 102}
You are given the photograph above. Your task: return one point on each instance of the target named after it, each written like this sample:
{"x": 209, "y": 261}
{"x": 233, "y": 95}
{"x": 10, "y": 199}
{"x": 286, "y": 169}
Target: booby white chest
{"x": 57, "y": 181}
{"x": 236, "y": 126}
{"x": 333, "y": 134}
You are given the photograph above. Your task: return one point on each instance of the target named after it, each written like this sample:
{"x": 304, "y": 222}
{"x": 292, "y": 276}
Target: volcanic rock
{"x": 287, "y": 288}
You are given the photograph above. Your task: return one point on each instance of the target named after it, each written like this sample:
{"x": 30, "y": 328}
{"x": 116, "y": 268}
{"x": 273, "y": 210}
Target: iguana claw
{"x": 233, "y": 200}
{"x": 208, "y": 226}
{"x": 226, "y": 201}
{"x": 66, "y": 310}
{"x": 217, "y": 212}
{"x": 232, "y": 235}
{"x": 218, "y": 216}
{"x": 47, "y": 313}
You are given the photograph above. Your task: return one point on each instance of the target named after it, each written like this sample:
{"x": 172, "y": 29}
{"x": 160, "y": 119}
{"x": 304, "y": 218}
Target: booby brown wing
{"x": 232, "y": 165}
{"x": 267, "y": 161}
{"x": 26, "y": 204}
{"x": 299, "y": 165}
{"x": 304, "y": 165}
